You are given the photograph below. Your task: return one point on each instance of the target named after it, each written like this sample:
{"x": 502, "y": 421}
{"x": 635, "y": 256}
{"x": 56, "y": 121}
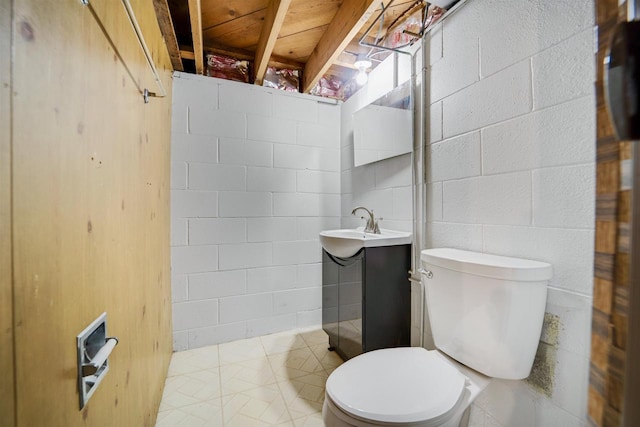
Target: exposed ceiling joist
{"x": 166, "y": 27}
{"x": 195, "y": 16}
{"x": 351, "y": 16}
{"x": 276, "y": 12}
{"x": 241, "y": 54}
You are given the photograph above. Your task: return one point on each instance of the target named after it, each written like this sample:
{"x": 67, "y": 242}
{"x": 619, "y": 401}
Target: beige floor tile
{"x": 246, "y": 375}
{"x": 295, "y": 363}
{"x": 197, "y": 359}
{"x": 315, "y": 337}
{"x": 239, "y": 351}
{"x": 202, "y": 414}
{"x": 259, "y": 406}
{"x": 188, "y": 389}
{"x": 304, "y": 396}
{"x": 282, "y": 342}
{"x": 314, "y": 420}
{"x": 329, "y": 360}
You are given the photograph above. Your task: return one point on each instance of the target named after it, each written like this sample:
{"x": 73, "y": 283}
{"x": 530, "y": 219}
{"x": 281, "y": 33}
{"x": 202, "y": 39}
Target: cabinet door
{"x": 387, "y": 297}
{"x": 330, "y": 284}
{"x": 350, "y": 305}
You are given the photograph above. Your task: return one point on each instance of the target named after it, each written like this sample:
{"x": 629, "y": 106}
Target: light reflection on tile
{"x": 274, "y": 380}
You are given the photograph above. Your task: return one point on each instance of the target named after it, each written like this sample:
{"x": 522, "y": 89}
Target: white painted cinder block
{"x": 308, "y": 228}
{"x": 180, "y": 340}
{"x": 433, "y": 209}
{"x": 202, "y": 94}
{"x": 500, "y": 97}
{"x": 245, "y": 255}
{"x": 528, "y": 27}
{"x": 245, "y": 98}
{"x": 570, "y": 252}
{"x": 380, "y": 201}
{"x": 194, "y": 148}
{"x": 297, "y": 300}
{"x": 434, "y": 125}
{"x": 301, "y": 157}
{"x": 309, "y": 318}
{"x": 217, "y": 284}
{"x": 178, "y": 175}
{"x": 179, "y": 231}
{"x": 317, "y": 135}
{"x": 306, "y": 204}
{"x": 497, "y": 199}
{"x": 451, "y": 235}
{"x": 194, "y": 259}
{"x": 574, "y": 313}
{"x": 295, "y": 108}
{"x": 179, "y": 290}
{"x": 269, "y": 279}
{"x": 309, "y": 275}
{"x": 193, "y": 204}
{"x": 211, "y": 335}
{"x": 559, "y": 135}
{"x": 215, "y": 231}
{"x": 317, "y": 182}
{"x": 565, "y": 71}
{"x": 270, "y": 179}
{"x": 273, "y": 324}
{"x": 241, "y": 204}
{"x": 299, "y": 252}
{"x": 402, "y": 204}
{"x": 219, "y": 123}
{"x": 274, "y": 129}
{"x": 393, "y": 172}
{"x": 271, "y": 229}
{"x": 454, "y": 158}
{"x": 328, "y": 114}
{"x": 234, "y": 309}
{"x": 459, "y": 66}
{"x": 204, "y": 176}
{"x": 247, "y": 153}
{"x": 564, "y": 197}
{"x": 195, "y": 314}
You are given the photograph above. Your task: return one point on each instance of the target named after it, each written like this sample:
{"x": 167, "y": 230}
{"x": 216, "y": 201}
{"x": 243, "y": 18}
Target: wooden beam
{"x": 351, "y": 16}
{"x": 276, "y": 13}
{"x": 166, "y": 28}
{"x": 195, "y": 15}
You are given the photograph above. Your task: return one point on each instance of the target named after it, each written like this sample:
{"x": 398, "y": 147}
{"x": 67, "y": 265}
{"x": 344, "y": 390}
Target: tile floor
{"x": 275, "y": 380}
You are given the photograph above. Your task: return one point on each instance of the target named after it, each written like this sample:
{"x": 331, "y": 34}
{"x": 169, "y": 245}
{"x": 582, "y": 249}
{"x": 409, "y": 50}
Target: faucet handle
{"x": 376, "y": 228}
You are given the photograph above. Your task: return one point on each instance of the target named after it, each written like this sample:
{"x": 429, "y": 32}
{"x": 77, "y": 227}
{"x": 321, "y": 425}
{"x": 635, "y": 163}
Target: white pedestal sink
{"x": 346, "y": 243}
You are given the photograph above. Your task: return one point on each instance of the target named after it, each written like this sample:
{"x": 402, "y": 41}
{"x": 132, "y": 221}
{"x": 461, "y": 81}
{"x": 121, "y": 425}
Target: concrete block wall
{"x": 255, "y": 175}
{"x": 384, "y": 186}
{"x": 511, "y": 149}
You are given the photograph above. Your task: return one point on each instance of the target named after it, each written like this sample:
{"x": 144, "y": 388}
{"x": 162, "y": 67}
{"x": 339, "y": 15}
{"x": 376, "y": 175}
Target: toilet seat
{"x": 407, "y": 385}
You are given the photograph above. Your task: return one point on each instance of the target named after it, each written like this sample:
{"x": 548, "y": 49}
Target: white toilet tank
{"x": 486, "y": 311}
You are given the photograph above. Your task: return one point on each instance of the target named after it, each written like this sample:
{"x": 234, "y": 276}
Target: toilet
{"x": 486, "y": 314}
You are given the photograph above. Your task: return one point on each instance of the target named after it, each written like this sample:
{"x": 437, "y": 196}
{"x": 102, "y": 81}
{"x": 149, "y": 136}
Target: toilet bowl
{"x": 486, "y": 316}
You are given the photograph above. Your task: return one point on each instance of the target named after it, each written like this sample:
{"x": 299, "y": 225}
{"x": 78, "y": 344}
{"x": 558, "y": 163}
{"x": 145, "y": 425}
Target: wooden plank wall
{"x": 612, "y": 246}
{"x": 7, "y": 403}
{"x": 90, "y": 211}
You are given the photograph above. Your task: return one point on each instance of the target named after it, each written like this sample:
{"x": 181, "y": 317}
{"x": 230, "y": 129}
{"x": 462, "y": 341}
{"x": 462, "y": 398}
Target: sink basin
{"x": 346, "y": 243}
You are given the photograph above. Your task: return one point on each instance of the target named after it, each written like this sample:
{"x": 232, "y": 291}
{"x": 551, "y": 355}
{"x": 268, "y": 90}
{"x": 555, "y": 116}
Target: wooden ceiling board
{"x": 299, "y": 46}
{"x": 216, "y": 12}
{"x": 243, "y": 32}
{"x": 304, "y": 15}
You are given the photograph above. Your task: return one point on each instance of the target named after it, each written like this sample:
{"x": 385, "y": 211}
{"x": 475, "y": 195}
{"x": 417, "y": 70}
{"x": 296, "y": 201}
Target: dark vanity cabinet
{"x": 366, "y": 299}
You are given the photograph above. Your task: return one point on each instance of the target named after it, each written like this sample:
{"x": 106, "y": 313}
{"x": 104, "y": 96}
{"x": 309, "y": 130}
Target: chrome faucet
{"x": 372, "y": 222}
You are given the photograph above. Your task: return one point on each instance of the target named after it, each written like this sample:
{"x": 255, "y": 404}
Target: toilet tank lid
{"x": 487, "y": 265}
